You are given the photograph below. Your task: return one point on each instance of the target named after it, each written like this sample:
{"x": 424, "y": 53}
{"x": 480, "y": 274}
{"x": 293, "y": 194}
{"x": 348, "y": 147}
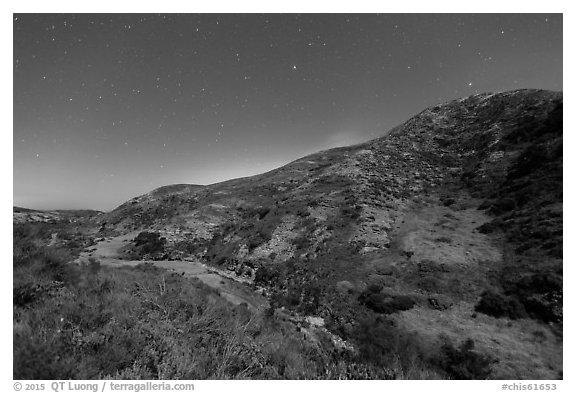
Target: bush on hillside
{"x": 149, "y": 242}
{"x": 381, "y": 343}
{"x": 464, "y": 362}
{"x": 499, "y": 306}
{"x": 266, "y": 276}
{"x": 257, "y": 238}
{"x": 384, "y": 304}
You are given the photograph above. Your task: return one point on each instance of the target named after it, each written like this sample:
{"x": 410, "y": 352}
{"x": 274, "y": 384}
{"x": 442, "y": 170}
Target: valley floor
{"x": 106, "y": 251}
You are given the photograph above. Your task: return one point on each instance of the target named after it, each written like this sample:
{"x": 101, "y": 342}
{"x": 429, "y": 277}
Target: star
{"x": 173, "y": 83}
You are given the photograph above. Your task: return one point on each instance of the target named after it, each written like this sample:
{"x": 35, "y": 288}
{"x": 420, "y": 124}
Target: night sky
{"x": 107, "y": 107}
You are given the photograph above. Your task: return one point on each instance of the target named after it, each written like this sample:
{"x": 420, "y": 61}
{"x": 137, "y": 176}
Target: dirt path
{"x": 107, "y": 252}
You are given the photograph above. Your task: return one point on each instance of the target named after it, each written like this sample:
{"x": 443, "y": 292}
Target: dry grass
{"x": 525, "y": 349}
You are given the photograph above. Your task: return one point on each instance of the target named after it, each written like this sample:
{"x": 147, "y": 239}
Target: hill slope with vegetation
{"x": 432, "y": 252}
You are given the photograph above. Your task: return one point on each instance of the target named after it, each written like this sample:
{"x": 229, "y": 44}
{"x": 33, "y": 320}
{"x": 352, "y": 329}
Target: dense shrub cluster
{"x": 302, "y": 242}
{"x": 304, "y": 298}
{"x": 499, "y": 306}
{"x": 385, "y": 304}
{"x": 537, "y": 296}
{"x": 382, "y": 343}
{"x": 526, "y": 200}
{"x": 352, "y": 212}
{"x": 149, "y": 242}
{"x": 186, "y": 247}
{"x": 262, "y": 212}
{"x": 541, "y": 295}
{"x": 463, "y": 362}
{"x": 266, "y": 276}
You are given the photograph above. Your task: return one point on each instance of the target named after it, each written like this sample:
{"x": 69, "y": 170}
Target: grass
{"x": 144, "y": 323}
{"x": 95, "y": 322}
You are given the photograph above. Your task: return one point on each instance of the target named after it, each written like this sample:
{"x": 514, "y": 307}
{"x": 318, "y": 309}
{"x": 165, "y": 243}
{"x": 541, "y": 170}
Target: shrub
{"x": 266, "y": 276}
{"x": 401, "y": 303}
{"x": 254, "y": 242}
{"x": 302, "y": 213}
{"x": 384, "y": 304}
{"x": 301, "y": 242}
{"x": 149, "y": 242}
{"x": 380, "y": 342}
{"x": 503, "y": 205}
{"x": 500, "y": 306}
{"x": 539, "y": 283}
{"x": 289, "y": 300}
{"x": 344, "y": 287}
{"x": 93, "y": 266}
{"x": 45, "y": 264}
{"x": 531, "y": 159}
{"x": 430, "y": 283}
{"x": 25, "y": 294}
{"x": 464, "y": 362}
{"x": 542, "y": 309}
{"x": 147, "y": 267}
{"x": 260, "y": 236}
{"x": 313, "y": 202}
{"x": 489, "y": 227}
{"x": 186, "y": 246}
{"x": 262, "y": 212}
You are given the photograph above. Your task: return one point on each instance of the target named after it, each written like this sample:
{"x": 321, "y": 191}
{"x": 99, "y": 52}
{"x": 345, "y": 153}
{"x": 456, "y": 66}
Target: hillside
{"x": 22, "y": 215}
{"x": 408, "y": 212}
{"x": 448, "y": 229}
